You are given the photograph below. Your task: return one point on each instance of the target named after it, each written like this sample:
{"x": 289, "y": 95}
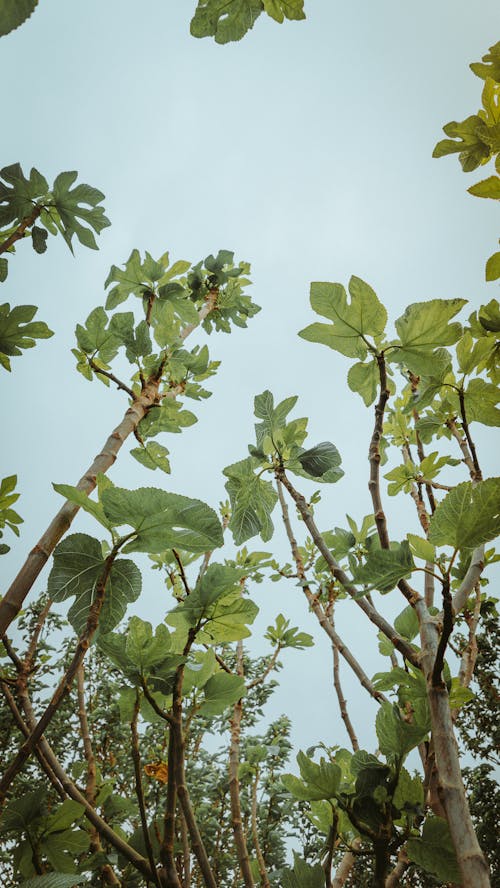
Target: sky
{"x": 306, "y": 149}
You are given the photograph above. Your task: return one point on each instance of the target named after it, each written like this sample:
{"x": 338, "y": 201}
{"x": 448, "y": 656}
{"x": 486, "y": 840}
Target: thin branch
{"x": 437, "y": 669}
{"x": 139, "y": 791}
{"x": 260, "y": 679}
{"x": 18, "y": 719}
{"x": 12, "y": 602}
{"x": 340, "y": 694}
{"x": 468, "y": 583}
{"x": 50, "y": 763}
{"x": 65, "y": 683}
{"x": 469, "y": 655}
{"x": 317, "y": 609}
{"x": 346, "y": 865}
{"x": 373, "y": 615}
{"x": 234, "y": 782}
{"x": 462, "y": 443}
{"x": 20, "y": 231}
{"x": 374, "y": 455}
{"x": 111, "y": 376}
{"x": 416, "y": 495}
{"x": 181, "y": 571}
{"x": 264, "y": 877}
{"x": 465, "y": 425}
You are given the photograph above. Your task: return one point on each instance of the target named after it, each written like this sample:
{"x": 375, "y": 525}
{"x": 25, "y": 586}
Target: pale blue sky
{"x": 305, "y": 148}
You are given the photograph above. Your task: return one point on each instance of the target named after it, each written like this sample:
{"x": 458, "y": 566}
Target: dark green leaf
{"x": 221, "y": 691}
{"x": 303, "y": 875}
{"x": 434, "y": 851}
{"x": 14, "y": 12}
{"x": 468, "y": 516}
{"x": 17, "y": 330}
{"x": 396, "y": 737}
{"x": 78, "y": 566}
{"x": 153, "y": 456}
{"x": 39, "y": 238}
{"x": 54, "y": 880}
{"x": 385, "y": 567}
{"x": 162, "y": 520}
{"x": 225, "y": 20}
{"x": 79, "y": 203}
{"x": 322, "y": 461}
{"x": 364, "y": 316}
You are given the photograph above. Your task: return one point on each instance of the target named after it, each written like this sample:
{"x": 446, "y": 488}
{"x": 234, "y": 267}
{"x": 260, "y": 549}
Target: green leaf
{"x": 489, "y": 187}
{"x": 39, "y": 239}
{"x": 421, "y": 548}
{"x": 153, "y": 456}
{"x": 54, "y": 880}
{"x": 19, "y": 813}
{"x": 303, "y": 875}
{"x": 142, "y": 648}
{"x": 74, "y": 495}
{"x": 170, "y": 417}
{"x": 468, "y": 516}
{"x": 225, "y": 20}
{"x": 396, "y": 737}
{"x": 78, "y": 566}
{"x": 469, "y": 139}
{"x": 79, "y": 203}
{"x": 17, "y": 330}
{"x": 491, "y": 65}
{"x": 62, "y": 847}
{"x": 364, "y": 379}
{"x": 434, "y": 851}
{"x": 14, "y": 12}
{"x": 18, "y": 201}
{"x": 221, "y": 691}
{"x": 409, "y": 794}
{"x": 322, "y": 461}
{"x": 281, "y": 9}
{"x": 458, "y": 694}
{"x": 489, "y": 316}
{"x": 162, "y": 520}
{"x": 493, "y": 267}
{"x": 323, "y": 777}
{"x": 64, "y": 816}
{"x": 252, "y": 502}
{"x": 385, "y": 567}
{"x": 481, "y": 398}
{"x": 4, "y": 269}
{"x": 423, "y": 329}
{"x": 364, "y": 316}
{"x": 406, "y": 623}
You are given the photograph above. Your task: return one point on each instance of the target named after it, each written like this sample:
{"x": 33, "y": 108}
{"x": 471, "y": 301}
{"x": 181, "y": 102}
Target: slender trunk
{"x": 234, "y": 783}
{"x": 470, "y": 858}
{"x": 373, "y": 615}
{"x": 264, "y": 878}
{"x": 91, "y": 782}
{"x": 12, "y": 602}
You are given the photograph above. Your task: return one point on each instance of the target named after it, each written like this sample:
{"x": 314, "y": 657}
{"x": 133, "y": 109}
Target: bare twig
{"x": 234, "y": 782}
{"x": 264, "y": 877}
{"x": 111, "y": 376}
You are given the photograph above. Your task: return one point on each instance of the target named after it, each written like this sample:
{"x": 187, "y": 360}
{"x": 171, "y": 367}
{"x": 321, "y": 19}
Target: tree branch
{"x": 20, "y": 231}
{"x": 65, "y": 684}
{"x": 139, "y": 791}
{"x": 11, "y": 603}
{"x": 373, "y": 615}
{"x": 234, "y": 783}
{"x": 317, "y": 609}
